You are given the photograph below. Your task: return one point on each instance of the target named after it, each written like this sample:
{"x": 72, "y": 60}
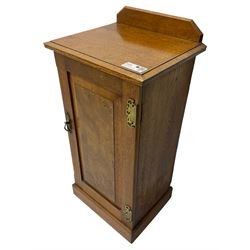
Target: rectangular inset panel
{"x": 95, "y": 129}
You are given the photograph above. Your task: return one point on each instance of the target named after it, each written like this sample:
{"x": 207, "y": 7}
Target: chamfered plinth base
{"x": 126, "y": 232}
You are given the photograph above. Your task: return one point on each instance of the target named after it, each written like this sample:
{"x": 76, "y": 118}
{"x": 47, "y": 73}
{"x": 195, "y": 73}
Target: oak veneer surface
{"x": 119, "y": 43}
{"x": 163, "y": 100}
{"x": 116, "y": 166}
{"x": 180, "y": 27}
{"x": 94, "y": 121}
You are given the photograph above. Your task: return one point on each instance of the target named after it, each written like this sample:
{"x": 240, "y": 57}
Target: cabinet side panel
{"x": 163, "y": 103}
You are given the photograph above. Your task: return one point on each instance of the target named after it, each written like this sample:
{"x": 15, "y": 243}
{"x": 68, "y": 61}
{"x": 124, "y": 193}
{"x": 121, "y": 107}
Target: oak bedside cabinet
{"x": 124, "y": 89}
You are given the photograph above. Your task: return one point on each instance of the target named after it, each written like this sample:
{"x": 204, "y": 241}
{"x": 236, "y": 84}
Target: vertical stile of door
{"x": 129, "y": 140}
{"x": 66, "y": 95}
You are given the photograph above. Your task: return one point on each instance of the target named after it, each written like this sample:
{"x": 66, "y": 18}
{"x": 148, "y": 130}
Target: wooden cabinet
{"x": 124, "y": 89}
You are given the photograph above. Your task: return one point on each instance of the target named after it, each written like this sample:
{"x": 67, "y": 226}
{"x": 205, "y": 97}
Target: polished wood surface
{"x": 127, "y": 233}
{"x": 102, "y": 153}
{"x": 68, "y": 69}
{"x": 174, "y": 26}
{"x": 141, "y": 37}
{"x": 117, "y": 166}
{"x": 120, "y": 43}
{"x": 95, "y": 125}
{"x": 124, "y": 74}
{"x": 163, "y": 102}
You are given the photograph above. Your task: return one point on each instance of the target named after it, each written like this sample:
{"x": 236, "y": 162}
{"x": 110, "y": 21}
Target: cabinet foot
{"x": 118, "y": 225}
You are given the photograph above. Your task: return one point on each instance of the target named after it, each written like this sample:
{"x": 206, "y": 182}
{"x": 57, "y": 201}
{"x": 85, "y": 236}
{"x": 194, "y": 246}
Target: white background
{"x": 210, "y": 207}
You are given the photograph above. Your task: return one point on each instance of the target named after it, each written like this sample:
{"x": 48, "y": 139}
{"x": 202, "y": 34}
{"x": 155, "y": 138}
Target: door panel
{"x": 111, "y": 186}
{"x": 88, "y": 94}
{"x": 96, "y": 140}
{"x": 95, "y": 120}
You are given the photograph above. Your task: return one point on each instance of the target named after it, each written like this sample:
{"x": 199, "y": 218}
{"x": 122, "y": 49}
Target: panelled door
{"x": 96, "y": 115}
{"x": 102, "y": 142}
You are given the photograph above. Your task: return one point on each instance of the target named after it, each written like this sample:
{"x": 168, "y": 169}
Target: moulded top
{"x": 140, "y": 37}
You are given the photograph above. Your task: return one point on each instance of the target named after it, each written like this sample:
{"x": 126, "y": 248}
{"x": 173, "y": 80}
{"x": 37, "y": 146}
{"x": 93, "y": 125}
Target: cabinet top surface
{"x": 123, "y": 42}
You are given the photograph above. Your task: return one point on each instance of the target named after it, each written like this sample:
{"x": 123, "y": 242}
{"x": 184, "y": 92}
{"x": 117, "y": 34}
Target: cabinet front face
{"x": 97, "y": 124}
{"x": 102, "y": 144}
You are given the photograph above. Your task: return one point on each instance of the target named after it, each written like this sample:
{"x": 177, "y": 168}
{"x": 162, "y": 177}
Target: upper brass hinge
{"x": 131, "y": 113}
{"x": 127, "y": 213}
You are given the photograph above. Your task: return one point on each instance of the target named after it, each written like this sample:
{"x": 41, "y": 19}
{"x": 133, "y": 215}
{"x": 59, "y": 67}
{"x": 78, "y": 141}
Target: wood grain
{"x": 116, "y": 165}
{"x": 94, "y": 121}
{"x": 103, "y": 213}
{"x": 163, "y": 103}
{"x": 157, "y": 22}
{"x": 119, "y": 43}
{"x": 68, "y": 107}
{"x": 94, "y": 78}
{"x": 100, "y": 86}
{"x": 143, "y": 223}
{"x": 119, "y": 72}
{"x": 129, "y": 149}
{"x": 126, "y": 232}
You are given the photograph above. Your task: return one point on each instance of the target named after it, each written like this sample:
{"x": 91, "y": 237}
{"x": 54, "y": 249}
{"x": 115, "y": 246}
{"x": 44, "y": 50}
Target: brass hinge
{"x": 127, "y": 213}
{"x": 131, "y": 113}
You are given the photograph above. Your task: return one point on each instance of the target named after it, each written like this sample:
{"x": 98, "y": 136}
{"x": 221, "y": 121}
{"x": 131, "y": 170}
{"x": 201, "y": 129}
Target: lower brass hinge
{"x": 127, "y": 213}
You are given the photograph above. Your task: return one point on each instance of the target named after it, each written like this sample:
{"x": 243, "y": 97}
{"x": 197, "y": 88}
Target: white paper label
{"x": 134, "y": 67}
